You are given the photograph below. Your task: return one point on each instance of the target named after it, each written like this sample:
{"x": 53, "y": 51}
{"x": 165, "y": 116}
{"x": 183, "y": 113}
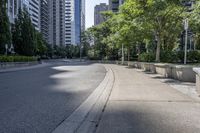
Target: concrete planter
{"x": 131, "y": 64}
{"x": 197, "y": 72}
{"x": 125, "y": 63}
{"x": 183, "y": 73}
{"x": 164, "y": 69}
{"x": 146, "y": 66}
{"x": 150, "y": 67}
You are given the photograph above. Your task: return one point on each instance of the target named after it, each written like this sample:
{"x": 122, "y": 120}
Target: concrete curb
{"x": 85, "y": 118}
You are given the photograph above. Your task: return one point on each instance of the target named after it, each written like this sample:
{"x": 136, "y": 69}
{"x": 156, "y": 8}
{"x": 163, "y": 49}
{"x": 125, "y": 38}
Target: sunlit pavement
{"x": 37, "y": 100}
{"x": 70, "y": 96}
{"x": 143, "y": 104}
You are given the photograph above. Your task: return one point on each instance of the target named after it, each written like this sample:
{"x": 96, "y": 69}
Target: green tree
{"x": 41, "y": 47}
{"x": 24, "y": 37}
{"x": 5, "y": 34}
{"x": 159, "y": 18}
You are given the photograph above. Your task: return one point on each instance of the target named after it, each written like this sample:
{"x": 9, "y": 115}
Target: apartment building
{"x": 32, "y": 6}
{"x": 56, "y": 9}
{"x": 69, "y": 21}
{"x": 44, "y": 19}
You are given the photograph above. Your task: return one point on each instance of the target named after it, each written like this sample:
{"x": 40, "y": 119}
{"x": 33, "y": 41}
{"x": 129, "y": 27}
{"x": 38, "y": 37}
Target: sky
{"x": 90, "y": 4}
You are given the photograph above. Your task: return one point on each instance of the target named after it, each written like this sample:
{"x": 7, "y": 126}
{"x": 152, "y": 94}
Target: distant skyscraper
{"x": 98, "y": 17}
{"x": 114, "y": 5}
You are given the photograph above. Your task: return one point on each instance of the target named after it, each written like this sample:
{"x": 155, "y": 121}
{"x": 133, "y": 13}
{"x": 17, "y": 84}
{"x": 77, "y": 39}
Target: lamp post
{"x": 186, "y": 39}
{"x": 80, "y": 52}
{"x": 122, "y": 53}
{"x": 6, "y": 47}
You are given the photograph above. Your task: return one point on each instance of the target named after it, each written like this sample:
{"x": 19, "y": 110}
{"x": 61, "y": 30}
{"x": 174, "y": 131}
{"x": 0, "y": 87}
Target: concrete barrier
{"x": 163, "y": 69}
{"x": 183, "y": 73}
{"x": 180, "y": 72}
{"x": 17, "y": 64}
{"x": 197, "y": 72}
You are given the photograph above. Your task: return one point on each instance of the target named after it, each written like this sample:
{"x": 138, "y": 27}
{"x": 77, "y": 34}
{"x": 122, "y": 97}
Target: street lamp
{"x": 6, "y": 47}
{"x": 186, "y": 39}
{"x": 122, "y": 53}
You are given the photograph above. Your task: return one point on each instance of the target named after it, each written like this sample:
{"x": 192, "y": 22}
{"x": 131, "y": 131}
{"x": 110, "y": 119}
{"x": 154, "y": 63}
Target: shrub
{"x": 146, "y": 57}
{"x": 193, "y": 56}
{"x": 169, "y": 56}
{"x": 17, "y": 58}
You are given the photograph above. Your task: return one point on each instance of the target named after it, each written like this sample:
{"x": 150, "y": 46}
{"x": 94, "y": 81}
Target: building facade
{"x": 56, "y": 9}
{"x": 68, "y": 21}
{"x": 12, "y": 6}
{"x": 44, "y": 19}
{"x": 32, "y": 6}
{"x": 79, "y": 21}
{"x": 34, "y": 10}
{"x": 114, "y": 5}
{"x": 98, "y": 17}
{"x": 60, "y": 21}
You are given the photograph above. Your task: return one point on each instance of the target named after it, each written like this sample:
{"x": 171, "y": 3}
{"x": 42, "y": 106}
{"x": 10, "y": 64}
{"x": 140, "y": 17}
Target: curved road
{"x": 38, "y": 100}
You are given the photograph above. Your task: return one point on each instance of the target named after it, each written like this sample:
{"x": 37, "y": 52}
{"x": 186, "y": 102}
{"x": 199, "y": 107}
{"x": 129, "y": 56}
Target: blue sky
{"x": 90, "y": 4}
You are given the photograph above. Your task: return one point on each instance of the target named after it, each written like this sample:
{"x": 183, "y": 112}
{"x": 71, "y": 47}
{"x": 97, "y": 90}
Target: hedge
{"x": 171, "y": 57}
{"x": 17, "y": 58}
{"x": 146, "y": 57}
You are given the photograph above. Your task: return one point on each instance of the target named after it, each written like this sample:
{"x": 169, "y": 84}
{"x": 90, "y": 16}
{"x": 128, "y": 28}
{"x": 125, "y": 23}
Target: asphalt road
{"x": 38, "y": 100}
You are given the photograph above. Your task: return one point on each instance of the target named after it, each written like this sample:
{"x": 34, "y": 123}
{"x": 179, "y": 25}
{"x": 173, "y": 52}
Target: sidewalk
{"x": 143, "y": 104}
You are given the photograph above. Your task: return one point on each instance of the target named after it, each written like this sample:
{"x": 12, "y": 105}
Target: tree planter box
{"x": 197, "y": 71}
{"x": 164, "y": 69}
{"x": 183, "y": 73}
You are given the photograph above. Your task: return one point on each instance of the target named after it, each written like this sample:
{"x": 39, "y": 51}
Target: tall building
{"x": 32, "y": 6}
{"x": 44, "y": 19}
{"x": 114, "y": 5}
{"x": 68, "y": 21}
{"x": 77, "y": 21}
{"x": 60, "y": 21}
{"x": 98, "y": 17}
{"x": 56, "y": 9}
{"x": 12, "y": 6}
{"x": 34, "y": 10}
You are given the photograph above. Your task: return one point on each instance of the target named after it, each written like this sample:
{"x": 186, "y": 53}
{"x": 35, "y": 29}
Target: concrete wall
{"x": 197, "y": 72}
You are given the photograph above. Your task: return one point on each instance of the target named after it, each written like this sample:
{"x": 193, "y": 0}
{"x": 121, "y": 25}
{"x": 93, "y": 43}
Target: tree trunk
{"x": 158, "y": 49}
